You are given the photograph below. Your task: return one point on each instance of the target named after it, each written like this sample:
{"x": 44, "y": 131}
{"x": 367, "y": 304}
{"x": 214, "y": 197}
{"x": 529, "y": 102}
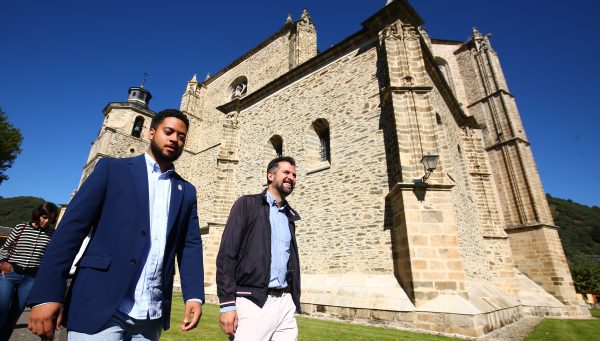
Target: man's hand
{"x": 229, "y": 322}
{"x": 194, "y": 308}
{"x": 45, "y": 319}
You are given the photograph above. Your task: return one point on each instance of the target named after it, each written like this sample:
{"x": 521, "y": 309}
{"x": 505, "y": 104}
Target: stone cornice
{"x": 398, "y": 9}
{"x": 128, "y": 105}
{"x": 512, "y": 140}
{"x": 206, "y": 149}
{"x": 407, "y": 88}
{"x": 530, "y": 227}
{"x": 118, "y": 132}
{"x": 409, "y": 186}
{"x": 205, "y": 229}
{"x": 222, "y": 159}
{"x": 465, "y": 46}
{"x": 495, "y": 93}
{"x": 287, "y": 27}
{"x": 446, "y": 42}
{"x": 495, "y": 236}
{"x": 361, "y": 39}
{"x": 481, "y": 173}
{"x": 97, "y": 156}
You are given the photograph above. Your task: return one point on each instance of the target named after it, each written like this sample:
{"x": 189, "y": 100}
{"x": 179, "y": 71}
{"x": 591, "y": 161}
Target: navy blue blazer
{"x": 114, "y": 200}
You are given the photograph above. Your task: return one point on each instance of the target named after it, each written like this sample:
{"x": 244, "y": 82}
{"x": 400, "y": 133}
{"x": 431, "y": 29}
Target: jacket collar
{"x": 290, "y": 212}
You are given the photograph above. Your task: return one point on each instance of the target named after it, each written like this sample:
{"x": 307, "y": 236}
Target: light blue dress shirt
{"x": 144, "y": 298}
{"x": 280, "y": 243}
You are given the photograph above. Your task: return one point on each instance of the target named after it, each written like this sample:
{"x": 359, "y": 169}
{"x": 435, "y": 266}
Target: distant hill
{"x": 17, "y": 210}
{"x": 579, "y": 226}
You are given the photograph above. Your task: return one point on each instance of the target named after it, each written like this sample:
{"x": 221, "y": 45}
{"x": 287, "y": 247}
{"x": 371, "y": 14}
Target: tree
{"x": 586, "y": 274}
{"x": 10, "y": 145}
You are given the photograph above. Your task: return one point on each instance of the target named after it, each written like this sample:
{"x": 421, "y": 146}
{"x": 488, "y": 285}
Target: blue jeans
{"x": 14, "y": 292}
{"x": 123, "y": 327}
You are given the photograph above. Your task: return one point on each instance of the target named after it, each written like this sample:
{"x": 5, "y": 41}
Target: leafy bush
{"x": 586, "y": 274}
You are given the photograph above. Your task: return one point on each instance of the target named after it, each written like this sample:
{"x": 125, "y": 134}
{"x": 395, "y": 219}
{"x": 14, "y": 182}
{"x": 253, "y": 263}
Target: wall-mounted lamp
{"x": 430, "y": 162}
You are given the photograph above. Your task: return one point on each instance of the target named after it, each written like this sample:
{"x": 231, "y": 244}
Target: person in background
{"x": 20, "y": 258}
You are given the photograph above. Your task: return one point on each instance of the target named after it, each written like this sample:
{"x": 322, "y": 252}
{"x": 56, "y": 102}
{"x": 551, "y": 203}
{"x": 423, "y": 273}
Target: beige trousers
{"x": 275, "y": 321}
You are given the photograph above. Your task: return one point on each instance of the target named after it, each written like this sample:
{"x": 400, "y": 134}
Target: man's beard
{"x": 281, "y": 189}
{"x": 158, "y": 153}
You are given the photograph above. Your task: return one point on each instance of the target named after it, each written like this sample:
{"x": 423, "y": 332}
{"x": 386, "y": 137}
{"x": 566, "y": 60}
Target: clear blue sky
{"x": 62, "y": 61}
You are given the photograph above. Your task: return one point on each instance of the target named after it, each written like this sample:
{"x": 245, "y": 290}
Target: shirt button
{"x": 132, "y": 261}
{"x": 143, "y": 233}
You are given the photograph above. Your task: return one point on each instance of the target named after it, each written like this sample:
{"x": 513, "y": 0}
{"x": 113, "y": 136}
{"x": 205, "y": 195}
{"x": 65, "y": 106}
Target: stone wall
{"x": 342, "y": 206}
{"x": 484, "y": 243}
{"x": 198, "y": 169}
{"x": 259, "y": 68}
{"x": 455, "y": 147}
{"x": 539, "y": 253}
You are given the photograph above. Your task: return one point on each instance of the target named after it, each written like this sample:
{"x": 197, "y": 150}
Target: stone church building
{"x": 466, "y": 250}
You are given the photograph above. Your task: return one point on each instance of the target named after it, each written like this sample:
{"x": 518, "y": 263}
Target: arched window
{"x": 138, "y": 125}
{"x": 438, "y": 119}
{"x": 272, "y": 148}
{"x": 239, "y": 87}
{"x": 443, "y": 65}
{"x": 318, "y": 145}
{"x": 321, "y": 127}
{"x": 277, "y": 143}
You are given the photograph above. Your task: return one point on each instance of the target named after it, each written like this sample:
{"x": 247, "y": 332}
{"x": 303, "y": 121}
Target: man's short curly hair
{"x": 159, "y": 117}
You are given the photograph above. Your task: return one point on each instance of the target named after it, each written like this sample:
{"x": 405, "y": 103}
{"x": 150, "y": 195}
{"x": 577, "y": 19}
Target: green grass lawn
{"x": 595, "y": 312}
{"x": 309, "y": 329}
{"x": 319, "y": 330}
{"x": 559, "y": 330}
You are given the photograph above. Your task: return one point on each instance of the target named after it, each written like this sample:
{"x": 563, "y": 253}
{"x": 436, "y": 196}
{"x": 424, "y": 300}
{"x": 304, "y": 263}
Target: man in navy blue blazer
{"x": 141, "y": 215}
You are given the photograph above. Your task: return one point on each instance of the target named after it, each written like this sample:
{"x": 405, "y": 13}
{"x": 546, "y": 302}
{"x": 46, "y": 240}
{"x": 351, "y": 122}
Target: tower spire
{"x": 482, "y": 42}
{"x": 305, "y": 16}
{"x": 138, "y": 94}
{"x": 144, "y": 79}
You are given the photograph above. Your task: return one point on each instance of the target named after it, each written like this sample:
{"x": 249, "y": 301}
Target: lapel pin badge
{"x": 179, "y": 187}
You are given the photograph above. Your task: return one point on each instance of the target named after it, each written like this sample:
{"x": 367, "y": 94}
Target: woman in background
{"x": 20, "y": 258}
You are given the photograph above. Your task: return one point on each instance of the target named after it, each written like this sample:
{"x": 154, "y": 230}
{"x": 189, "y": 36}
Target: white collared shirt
{"x": 280, "y": 242}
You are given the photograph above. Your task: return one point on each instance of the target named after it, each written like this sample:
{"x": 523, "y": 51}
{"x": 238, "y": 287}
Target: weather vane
{"x": 144, "y": 79}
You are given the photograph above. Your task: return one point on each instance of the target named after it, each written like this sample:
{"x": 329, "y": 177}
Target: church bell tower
{"x": 124, "y": 131}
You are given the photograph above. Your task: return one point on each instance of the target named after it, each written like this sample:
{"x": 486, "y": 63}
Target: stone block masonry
{"x": 467, "y": 252}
